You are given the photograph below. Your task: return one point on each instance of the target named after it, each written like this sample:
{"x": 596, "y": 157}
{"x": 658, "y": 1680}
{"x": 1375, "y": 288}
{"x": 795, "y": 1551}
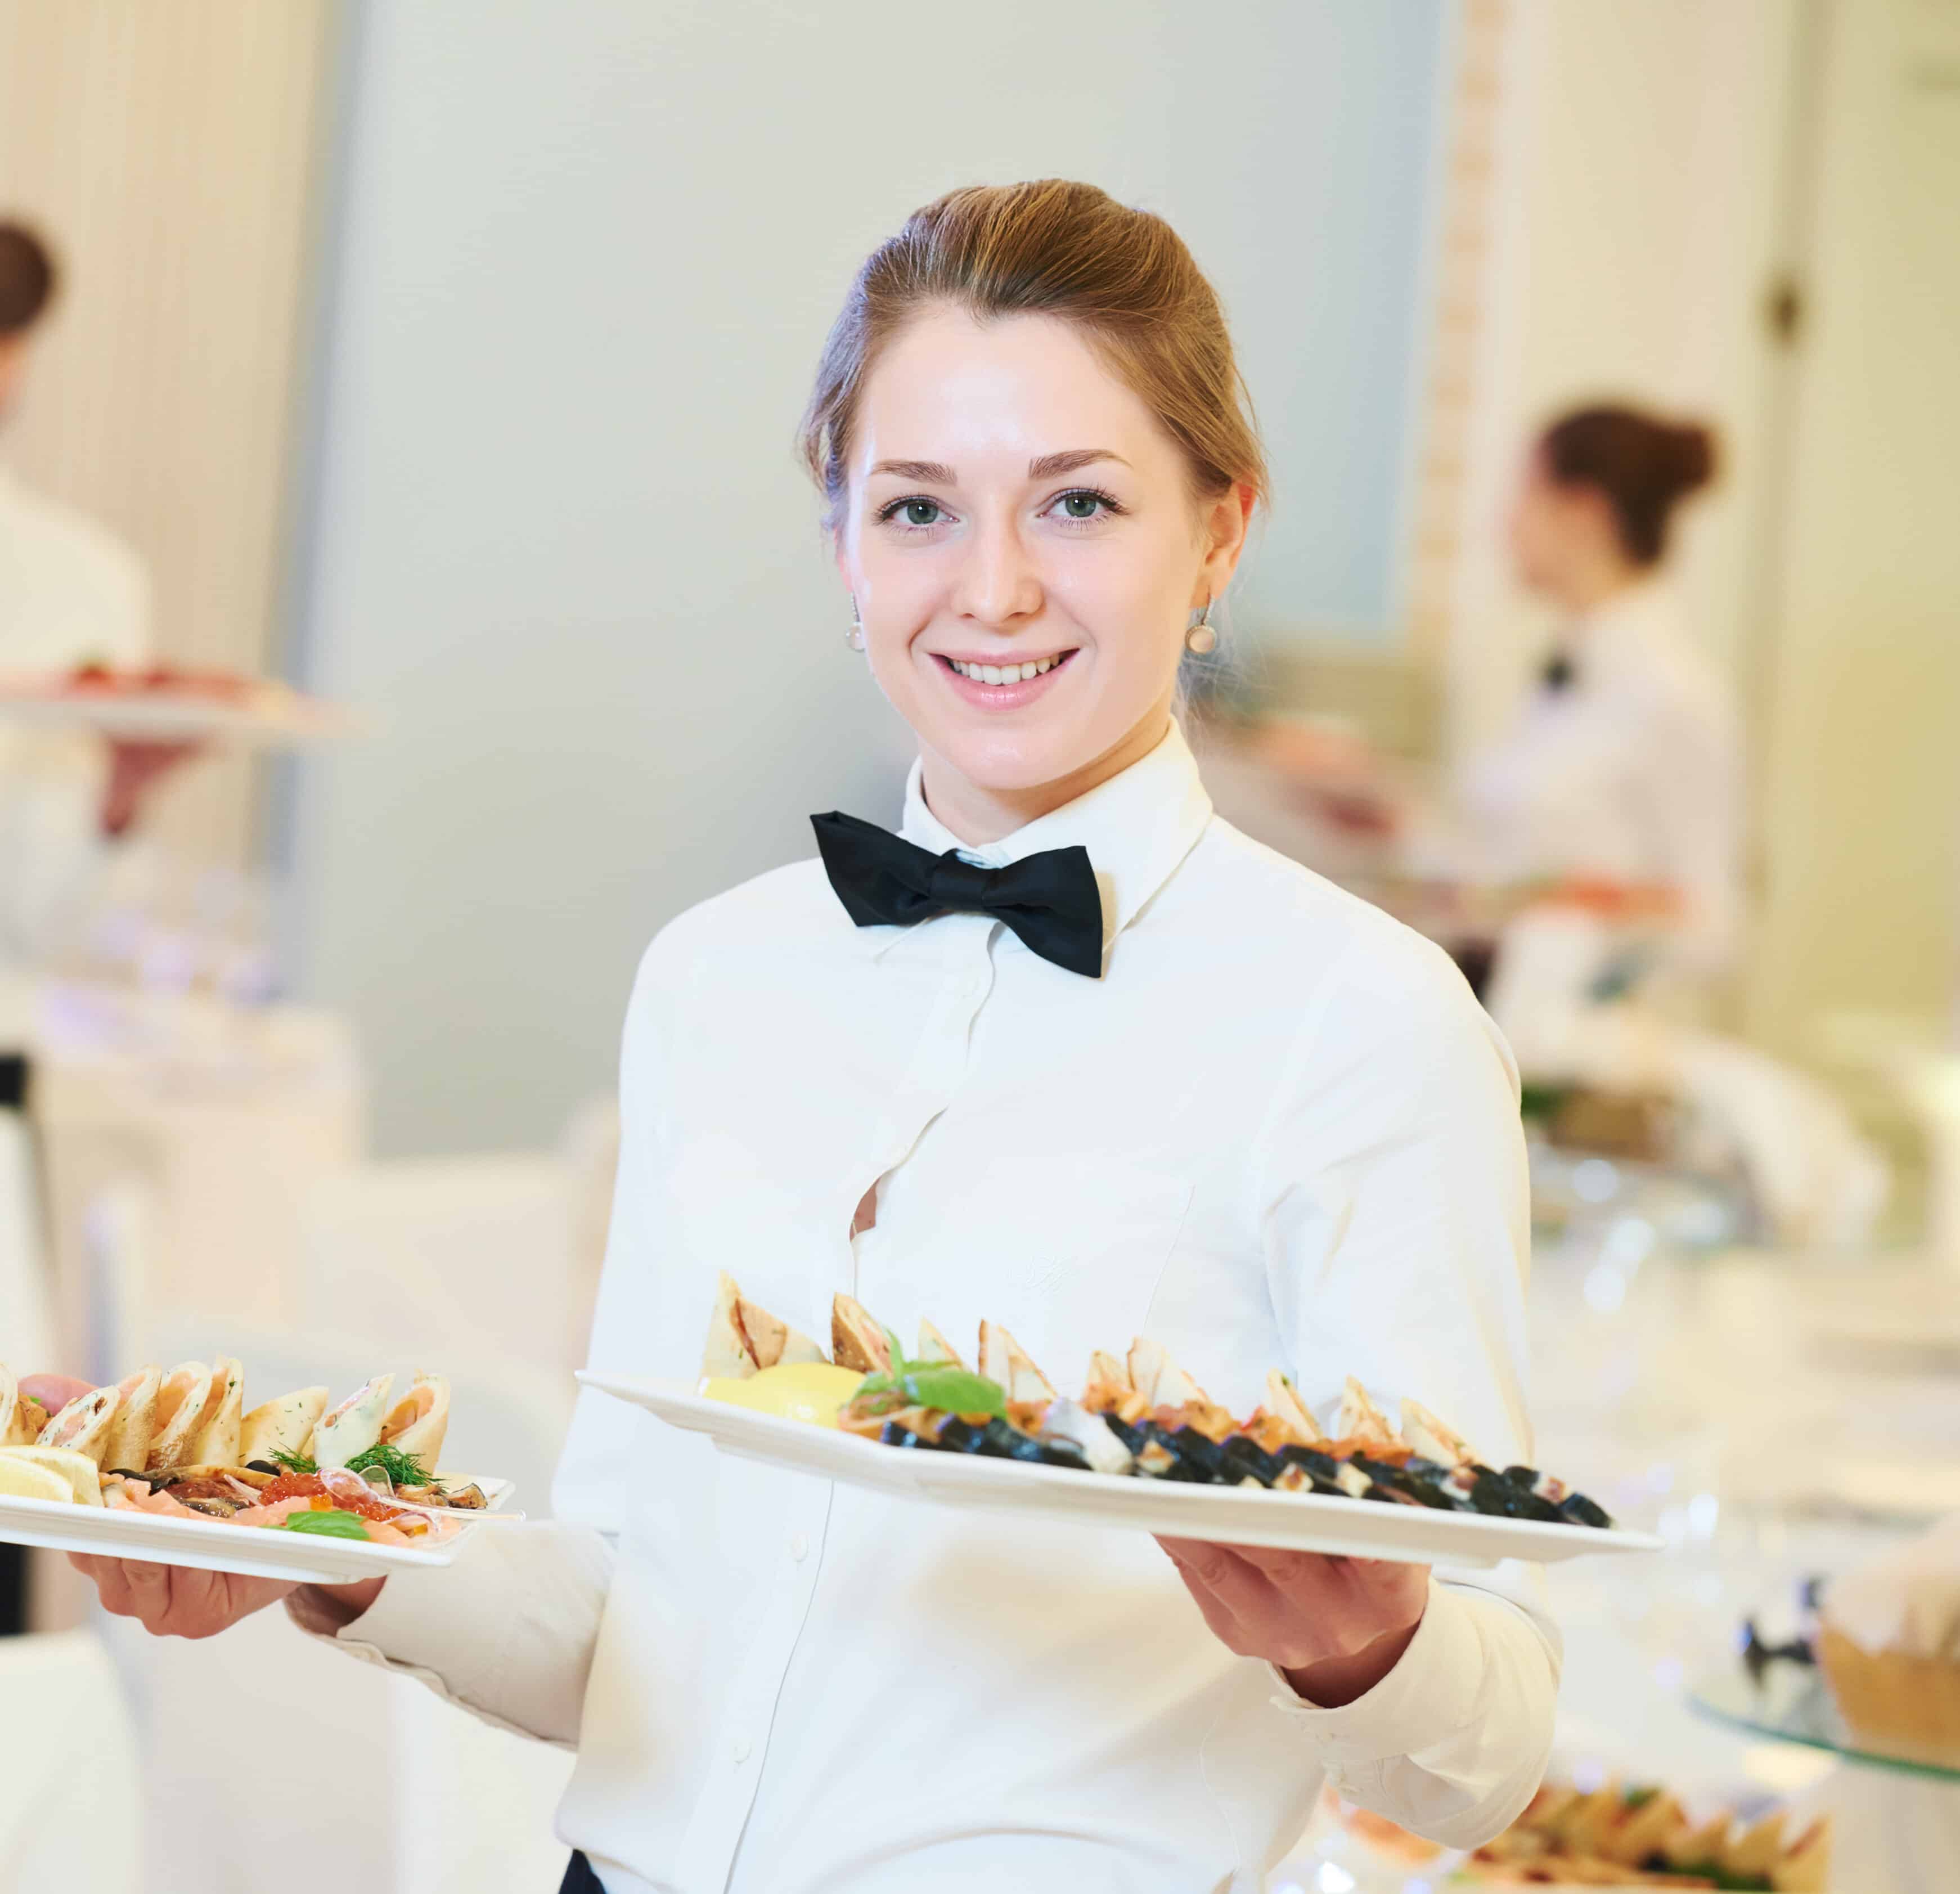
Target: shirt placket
{"x": 932, "y": 1075}
{"x": 794, "y": 1546}
{"x": 707, "y": 1850}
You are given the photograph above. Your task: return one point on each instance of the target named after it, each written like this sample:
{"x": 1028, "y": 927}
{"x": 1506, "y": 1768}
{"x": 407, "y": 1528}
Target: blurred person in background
{"x": 1067, "y": 1015}
{"x": 70, "y": 593}
{"x": 1622, "y": 769}
{"x": 1617, "y": 781}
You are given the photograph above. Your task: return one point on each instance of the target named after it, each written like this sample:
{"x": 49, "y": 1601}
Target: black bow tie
{"x": 1558, "y": 672}
{"x": 1050, "y": 899}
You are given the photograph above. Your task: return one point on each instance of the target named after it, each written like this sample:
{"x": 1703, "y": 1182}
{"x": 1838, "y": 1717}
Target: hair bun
{"x": 1643, "y": 464}
{"x": 1689, "y": 458}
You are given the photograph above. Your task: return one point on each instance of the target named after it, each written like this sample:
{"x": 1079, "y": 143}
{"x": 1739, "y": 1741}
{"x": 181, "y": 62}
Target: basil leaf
{"x": 953, "y": 1390}
{"x": 334, "y": 1525}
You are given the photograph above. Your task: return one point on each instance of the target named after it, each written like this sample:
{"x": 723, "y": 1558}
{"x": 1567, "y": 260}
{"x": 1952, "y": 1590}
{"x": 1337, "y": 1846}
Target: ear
{"x": 1223, "y": 527}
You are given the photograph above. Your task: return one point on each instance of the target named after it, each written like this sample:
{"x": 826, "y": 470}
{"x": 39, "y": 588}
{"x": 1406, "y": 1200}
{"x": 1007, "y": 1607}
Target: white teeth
{"x": 1004, "y": 673}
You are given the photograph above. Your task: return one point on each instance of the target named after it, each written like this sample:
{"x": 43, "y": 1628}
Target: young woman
{"x": 1214, "y": 1100}
{"x": 1622, "y": 767}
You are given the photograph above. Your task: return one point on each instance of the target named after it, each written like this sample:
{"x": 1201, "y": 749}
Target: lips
{"x": 989, "y": 685}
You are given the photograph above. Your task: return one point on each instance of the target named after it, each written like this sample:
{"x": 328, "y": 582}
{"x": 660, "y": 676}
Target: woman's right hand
{"x": 174, "y": 1601}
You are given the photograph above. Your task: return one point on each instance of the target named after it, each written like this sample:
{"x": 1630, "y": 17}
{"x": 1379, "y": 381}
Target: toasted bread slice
{"x": 724, "y": 1355}
{"x": 1805, "y": 1866}
{"x": 1004, "y": 1362}
{"x": 856, "y": 1340}
{"x": 1283, "y": 1398}
{"x": 1585, "y": 1824}
{"x": 1432, "y": 1440}
{"x": 1106, "y": 1369}
{"x": 1156, "y": 1377}
{"x": 1639, "y": 1832}
{"x": 1692, "y": 1846}
{"x": 771, "y": 1341}
{"x": 1361, "y": 1420}
{"x": 1757, "y": 1849}
{"x": 744, "y": 1337}
{"x": 934, "y": 1347}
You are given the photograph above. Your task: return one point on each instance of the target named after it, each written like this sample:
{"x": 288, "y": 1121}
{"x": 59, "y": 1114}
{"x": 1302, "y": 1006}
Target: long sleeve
{"x": 508, "y": 1631}
{"x": 1392, "y": 1194}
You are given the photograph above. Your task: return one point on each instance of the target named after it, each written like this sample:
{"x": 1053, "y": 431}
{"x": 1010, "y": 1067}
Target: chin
{"x": 1005, "y": 761}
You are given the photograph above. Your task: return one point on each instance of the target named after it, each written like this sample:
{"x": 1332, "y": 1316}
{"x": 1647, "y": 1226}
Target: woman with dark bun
{"x": 1621, "y": 768}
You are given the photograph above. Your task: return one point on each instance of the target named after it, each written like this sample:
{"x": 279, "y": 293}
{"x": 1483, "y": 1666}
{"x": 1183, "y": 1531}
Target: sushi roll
{"x": 1181, "y": 1454}
{"x": 1576, "y": 1510}
{"x": 1089, "y": 1434}
{"x": 1398, "y": 1483}
{"x": 956, "y": 1436}
{"x": 1493, "y": 1493}
{"x": 1242, "y": 1458}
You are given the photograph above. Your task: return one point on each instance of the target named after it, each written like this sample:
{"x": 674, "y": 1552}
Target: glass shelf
{"x": 1793, "y": 1705}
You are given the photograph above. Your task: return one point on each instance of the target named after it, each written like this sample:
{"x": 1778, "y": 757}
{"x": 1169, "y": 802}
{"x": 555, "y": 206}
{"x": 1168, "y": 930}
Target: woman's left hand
{"x": 1336, "y": 1626}
{"x": 136, "y": 769}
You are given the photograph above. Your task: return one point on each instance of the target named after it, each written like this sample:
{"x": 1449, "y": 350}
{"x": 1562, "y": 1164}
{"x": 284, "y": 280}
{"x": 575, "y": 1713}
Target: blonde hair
{"x": 1049, "y": 248}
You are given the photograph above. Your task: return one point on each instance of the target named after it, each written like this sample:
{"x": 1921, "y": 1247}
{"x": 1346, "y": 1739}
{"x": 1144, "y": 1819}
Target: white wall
{"x": 586, "y": 258}
{"x": 1637, "y": 207}
{"x": 1861, "y": 803}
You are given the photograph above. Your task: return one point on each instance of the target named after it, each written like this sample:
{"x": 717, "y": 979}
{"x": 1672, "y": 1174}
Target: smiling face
{"x": 1025, "y": 549}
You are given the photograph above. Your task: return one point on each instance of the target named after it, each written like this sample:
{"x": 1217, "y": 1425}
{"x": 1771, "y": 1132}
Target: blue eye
{"x": 915, "y": 513}
{"x": 1080, "y": 504}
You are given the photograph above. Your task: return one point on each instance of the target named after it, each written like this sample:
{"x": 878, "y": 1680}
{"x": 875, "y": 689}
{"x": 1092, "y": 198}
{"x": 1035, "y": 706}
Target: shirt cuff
{"x": 1432, "y": 1691}
{"x": 378, "y": 1635}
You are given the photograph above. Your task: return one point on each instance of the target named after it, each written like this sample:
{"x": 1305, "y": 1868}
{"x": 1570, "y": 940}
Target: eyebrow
{"x": 1047, "y": 466}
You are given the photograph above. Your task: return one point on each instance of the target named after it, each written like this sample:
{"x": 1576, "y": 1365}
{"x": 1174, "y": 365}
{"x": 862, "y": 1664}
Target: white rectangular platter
{"x": 165, "y": 716}
{"x": 217, "y": 1545}
{"x": 1232, "y": 1515}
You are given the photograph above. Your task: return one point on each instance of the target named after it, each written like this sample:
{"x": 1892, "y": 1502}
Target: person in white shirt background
{"x": 1623, "y": 767}
{"x": 1187, "y": 1089}
{"x": 70, "y": 593}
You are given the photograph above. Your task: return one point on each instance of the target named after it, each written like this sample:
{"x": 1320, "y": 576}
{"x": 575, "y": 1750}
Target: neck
{"x": 977, "y": 814}
{"x": 1592, "y": 586}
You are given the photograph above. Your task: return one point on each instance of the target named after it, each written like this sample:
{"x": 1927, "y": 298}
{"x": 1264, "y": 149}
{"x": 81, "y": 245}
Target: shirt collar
{"x": 1137, "y": 827}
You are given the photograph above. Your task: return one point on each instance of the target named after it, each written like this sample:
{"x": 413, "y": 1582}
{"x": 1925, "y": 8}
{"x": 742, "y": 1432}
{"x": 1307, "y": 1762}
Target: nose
{"x": 997, "y": 584}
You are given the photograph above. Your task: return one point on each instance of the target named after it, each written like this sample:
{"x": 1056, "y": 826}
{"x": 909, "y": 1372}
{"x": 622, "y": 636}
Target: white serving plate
{"x": 1232, "y": 1515}
{"x": 270, "y": 722}
{"x": 217, "y": 1545}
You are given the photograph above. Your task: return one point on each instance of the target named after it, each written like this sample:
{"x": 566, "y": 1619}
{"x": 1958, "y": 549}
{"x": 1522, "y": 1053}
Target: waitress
{"x": 1622, "y": 767}
{"x": 1168, "y": 1083}
{"x": 70, "y": 593}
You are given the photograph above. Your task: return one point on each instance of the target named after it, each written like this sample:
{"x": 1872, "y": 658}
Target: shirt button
{"x": 798, "y": 1548}
{"x": 741, "y": 1749}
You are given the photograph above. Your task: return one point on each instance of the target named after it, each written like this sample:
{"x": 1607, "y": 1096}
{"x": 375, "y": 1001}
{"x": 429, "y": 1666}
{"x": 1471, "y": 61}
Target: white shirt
{"x": 70, "y": 591}
{"x": 1277, "y": 1132}
{"x": 1630, "y": 773}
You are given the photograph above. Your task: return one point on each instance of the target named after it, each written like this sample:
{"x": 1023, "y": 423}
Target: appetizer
{"x": 1643, "y": 1837}
{"x": 181, "y": 1444}
{"x": 1140, "y": 1414}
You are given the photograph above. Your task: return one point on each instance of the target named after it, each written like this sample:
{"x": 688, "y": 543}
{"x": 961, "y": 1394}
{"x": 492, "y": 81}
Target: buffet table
{"x": 1777, "y": 1417}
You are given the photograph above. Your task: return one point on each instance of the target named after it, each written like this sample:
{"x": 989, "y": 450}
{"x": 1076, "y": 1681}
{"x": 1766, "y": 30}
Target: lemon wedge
{"x": 813, "y": 1391}
{"x": 22, "y": 1479}
{"x": 77, "y": 1471}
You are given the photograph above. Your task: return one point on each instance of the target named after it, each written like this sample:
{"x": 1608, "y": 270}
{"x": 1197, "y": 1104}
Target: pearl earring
{"x": 854, "y": 638}
{"x": 1202, "y": 638}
